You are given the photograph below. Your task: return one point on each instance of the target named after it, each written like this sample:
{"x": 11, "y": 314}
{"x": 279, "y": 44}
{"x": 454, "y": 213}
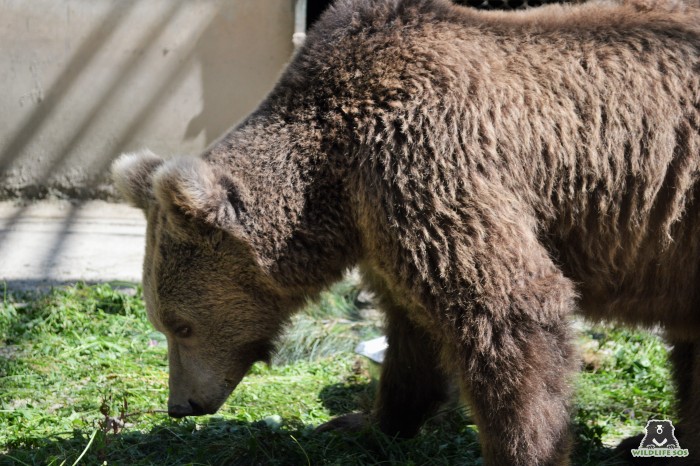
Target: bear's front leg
{"x": 512, "y": 339}
{"x": 412, "y": 385}
{"x": 518, "y": 386}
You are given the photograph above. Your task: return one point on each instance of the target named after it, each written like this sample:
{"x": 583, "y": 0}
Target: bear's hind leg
{"x": 685, "y": 358}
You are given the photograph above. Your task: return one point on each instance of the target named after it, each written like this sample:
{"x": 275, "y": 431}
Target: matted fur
{"x": 490, "y": 172}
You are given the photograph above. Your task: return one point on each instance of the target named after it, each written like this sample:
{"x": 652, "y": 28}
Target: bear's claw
{"x": 352, "y": 422}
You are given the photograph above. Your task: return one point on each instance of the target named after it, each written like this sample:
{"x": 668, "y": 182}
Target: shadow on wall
{"x": 168, "y": 75}
{"x": 237, "y": 66}
{"x": 88, "y": 81}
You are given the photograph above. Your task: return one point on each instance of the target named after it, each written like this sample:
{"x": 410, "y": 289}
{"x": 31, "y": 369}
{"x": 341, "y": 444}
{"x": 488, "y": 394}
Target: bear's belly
{"x": 674, "y": 310}
{"x": 645, "y": 282}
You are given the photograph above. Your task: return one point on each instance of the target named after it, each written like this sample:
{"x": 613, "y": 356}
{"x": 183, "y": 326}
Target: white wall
{"x": 83, "y": 80}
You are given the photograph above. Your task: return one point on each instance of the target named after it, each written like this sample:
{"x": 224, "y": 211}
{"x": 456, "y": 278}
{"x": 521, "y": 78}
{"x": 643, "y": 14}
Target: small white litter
{"x": 373, "y": 350}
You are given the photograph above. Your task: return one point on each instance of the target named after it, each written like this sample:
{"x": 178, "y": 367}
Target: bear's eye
{"x": 183, "y": 331}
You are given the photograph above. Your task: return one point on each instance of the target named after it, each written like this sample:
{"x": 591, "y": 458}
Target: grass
{"x": 83, "y": 377}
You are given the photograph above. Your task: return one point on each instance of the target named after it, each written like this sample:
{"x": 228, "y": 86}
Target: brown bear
{"x": 489, "y": 172}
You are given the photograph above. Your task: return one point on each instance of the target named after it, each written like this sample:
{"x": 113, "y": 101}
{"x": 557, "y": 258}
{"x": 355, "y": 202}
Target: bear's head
{"x": 203, "y": 284}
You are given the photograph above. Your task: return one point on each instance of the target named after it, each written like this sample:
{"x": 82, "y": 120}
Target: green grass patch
{"x": 83, "y": 376}
{"x": 626, "y": 382}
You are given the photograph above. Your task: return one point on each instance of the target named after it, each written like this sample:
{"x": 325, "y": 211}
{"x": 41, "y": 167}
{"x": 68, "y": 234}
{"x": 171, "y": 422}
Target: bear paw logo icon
{"x": 659, "y": 434}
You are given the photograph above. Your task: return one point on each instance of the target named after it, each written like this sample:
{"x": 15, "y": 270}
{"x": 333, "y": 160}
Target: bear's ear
{"x": 192, "y": 187}
{"x": 133, "y": 177}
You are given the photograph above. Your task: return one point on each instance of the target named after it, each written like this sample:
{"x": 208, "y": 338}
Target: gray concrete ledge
{"x": 58, "y": 242}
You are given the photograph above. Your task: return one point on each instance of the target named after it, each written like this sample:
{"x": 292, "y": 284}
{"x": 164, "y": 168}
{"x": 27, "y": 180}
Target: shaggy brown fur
{"x": 488, "y": 171}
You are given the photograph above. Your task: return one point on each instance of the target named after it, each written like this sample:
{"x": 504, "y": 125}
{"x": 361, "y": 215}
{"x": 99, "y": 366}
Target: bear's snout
{"x": 191, "y": 409}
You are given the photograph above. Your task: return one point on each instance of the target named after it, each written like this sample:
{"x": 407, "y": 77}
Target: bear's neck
{"x": 295, "y": 204}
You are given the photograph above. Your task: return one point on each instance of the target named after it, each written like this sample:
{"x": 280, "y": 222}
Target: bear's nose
{"x": 191, "y": 409}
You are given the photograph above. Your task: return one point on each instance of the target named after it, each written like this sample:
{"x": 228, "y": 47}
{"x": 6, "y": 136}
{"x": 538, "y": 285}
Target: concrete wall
{"x": 82, "y": 81}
